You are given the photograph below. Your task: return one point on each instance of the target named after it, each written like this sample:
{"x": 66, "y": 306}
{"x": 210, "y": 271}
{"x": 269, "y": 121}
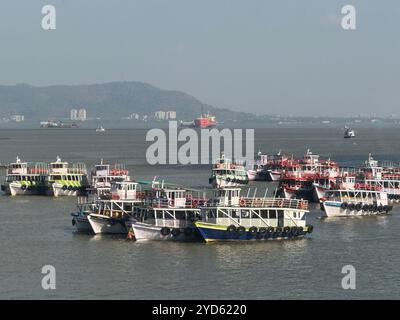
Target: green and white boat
{"x": 26, "y": 178}
{"x": 228, "y": 216}
{"x": 226, "y": 173}
{"x": 67, "y": 180}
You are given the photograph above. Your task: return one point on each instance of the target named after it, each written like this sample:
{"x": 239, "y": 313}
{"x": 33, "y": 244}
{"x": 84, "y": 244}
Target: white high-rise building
{"x": 159, "y": 115}
{"x": 74, "y": 114}
{"x": 78, "y": 115}
{"x": 171, "y": 115}
{"x": 82, "y": 114}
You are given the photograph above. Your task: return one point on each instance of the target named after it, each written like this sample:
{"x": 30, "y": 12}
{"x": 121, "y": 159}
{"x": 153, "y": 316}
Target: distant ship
{"x": 349, "y": 133}
{"x": 100, "y": 129}
{"x": 206, "y": 120}
{"x": 59, "y": 125}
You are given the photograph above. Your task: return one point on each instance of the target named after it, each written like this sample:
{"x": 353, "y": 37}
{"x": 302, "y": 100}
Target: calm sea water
{"x": 37, "y": 231}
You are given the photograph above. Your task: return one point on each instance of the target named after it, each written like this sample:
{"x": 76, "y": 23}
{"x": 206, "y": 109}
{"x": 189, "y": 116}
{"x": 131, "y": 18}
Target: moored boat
{"x": 80, "y": 218}
{"x": 67, "y": 180}
{"x": 167, "y": 214}
{"x": 226, "y": 173}
{"x": 23, "y": 178}
{"x": 112, "y": 213}
{"x": 228, "y": 216}
{"x": 344, "y": 203}
{"x": 103, "y": 175}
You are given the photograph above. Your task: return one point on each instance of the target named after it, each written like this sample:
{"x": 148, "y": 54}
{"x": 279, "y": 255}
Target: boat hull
{"x": 81, "y": 223}
{"x": 213, "y": 232}
{"x": 319, "y": 193}
{"x": 273, "y": 175}
{"x": 24, "y": 190}
{"x": 334, "y": 209}
{"x": 60, "y": 190}
{"x": 146, "y": 232}
{"x": 105, "y": 225}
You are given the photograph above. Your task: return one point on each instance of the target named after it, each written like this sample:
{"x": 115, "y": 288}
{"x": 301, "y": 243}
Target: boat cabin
{"x": 101, "y": 170}
{"x": 363, "y": 196}
{"x": 229, "y": 208}
{"x": 124, "y": 190}
{"x": 18, "y": 167}
{"x": 59, "y": 167}
{"x": 310, "y": 158}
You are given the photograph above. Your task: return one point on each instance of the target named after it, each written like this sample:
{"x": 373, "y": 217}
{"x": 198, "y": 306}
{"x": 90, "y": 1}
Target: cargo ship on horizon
{"x": 206, "y": 120}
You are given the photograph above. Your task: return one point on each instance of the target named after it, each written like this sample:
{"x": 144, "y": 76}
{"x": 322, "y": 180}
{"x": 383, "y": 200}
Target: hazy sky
{"x": 281, "y": 57}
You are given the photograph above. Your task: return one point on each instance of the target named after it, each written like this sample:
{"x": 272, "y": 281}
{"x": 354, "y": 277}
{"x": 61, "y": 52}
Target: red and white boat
{"x": 206, "y": 120}
{"x": 307, "y": 177}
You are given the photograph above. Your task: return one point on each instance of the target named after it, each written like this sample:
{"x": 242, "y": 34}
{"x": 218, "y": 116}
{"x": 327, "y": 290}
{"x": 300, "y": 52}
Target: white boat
{"x": 112, "y": 214}
{"x": 345, "y": 203}
{"x": 23, "y": 178}
{"x": 80, "y": 218}
{"x": 349, "y": 133}
{"x": 268, "y": 167}
{"x": 100, "y": 129}
{"x": 225, "y": 173}
{"x": 167, "y": 214}
{"x": 66, "y": 180}
{"x": 103, "y": 175}
{"x": 230, "y": 217}
{"x": 344, "y": 182}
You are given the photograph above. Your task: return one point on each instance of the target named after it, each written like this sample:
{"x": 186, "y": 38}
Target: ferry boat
{"x": 103, "y": 175}
{"x": 80, "y": 218}
{"x": 344, "y": 203}
{"x": 167, "y": 214}
{"x": 66, "y": 180}
{"x": 269, "y": 167}
{"x": 300, "y": 179}
{"x": 276, "y": 166}
{"x": 228, "y": 216}
{"x": 225, "y": 173}
{"x": 112, "y": 214}
{"x": 206, "y": 120}
{"x": 344, "y": 182}
{"x": 349, "y": 133}
{"x": 384, "y": 176}
{"x": 23, "y": 178}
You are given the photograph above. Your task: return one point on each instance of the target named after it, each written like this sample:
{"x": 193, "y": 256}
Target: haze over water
{"x": 37, "y": 231}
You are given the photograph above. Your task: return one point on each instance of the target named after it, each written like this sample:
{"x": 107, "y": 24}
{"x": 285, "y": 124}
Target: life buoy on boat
{"x": 242, "y": 202}
{"x": 176, "y": 232}
{"x": 165, "y": 231}
{"x": 302, "y": 204}
{"x": 279, "y": 203}
{"x": 171, "y": 203}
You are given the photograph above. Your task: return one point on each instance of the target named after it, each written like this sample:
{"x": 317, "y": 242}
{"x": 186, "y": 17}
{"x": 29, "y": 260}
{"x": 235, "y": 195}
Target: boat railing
{"x": 76, "y": 171}
{"x": 263, "y": 203}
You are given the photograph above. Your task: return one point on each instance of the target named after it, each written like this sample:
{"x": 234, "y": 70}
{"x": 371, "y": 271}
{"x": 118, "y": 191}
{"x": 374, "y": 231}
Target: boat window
{"x": 272, "y": 214}
{"x": 212, "y": 214}
{"x": 234, "y": 213}
{"x": 254, "y": 214}
{"x": 221, "y": 214}
{"x": 180, "y": 215}
{"x": 150, "y": 214}
{"x": 264, "y": 214}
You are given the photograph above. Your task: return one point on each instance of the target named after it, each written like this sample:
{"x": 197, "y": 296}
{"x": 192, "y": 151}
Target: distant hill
{"x": 109, "y": 100}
